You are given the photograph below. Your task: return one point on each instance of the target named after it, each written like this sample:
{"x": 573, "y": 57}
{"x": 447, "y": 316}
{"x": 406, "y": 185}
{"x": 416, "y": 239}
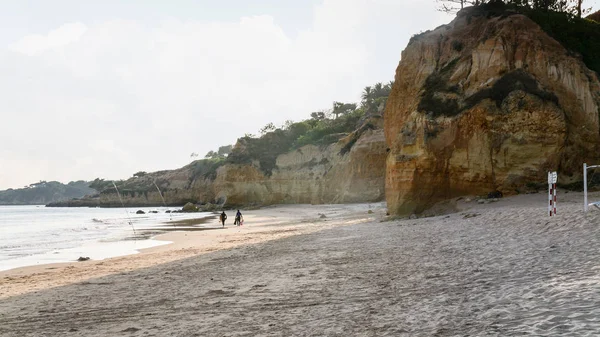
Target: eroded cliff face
{"x": 311, "y": 174}
{"x": 485, "y": 104}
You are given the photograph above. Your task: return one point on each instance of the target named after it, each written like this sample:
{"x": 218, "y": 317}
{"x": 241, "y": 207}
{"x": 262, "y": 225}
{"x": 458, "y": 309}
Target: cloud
{"x": 62, "y": 36}
{"x": 111, "y": 98}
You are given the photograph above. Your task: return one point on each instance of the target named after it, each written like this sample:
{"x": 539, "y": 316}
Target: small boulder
{"x": 481, "y": 201}
{"x": 168, "y": 211}
{"x": 153, "y": 212}
{"x": 189, "y": 207}
{"x": 370, "y": 212}
{"x": 140, "y": 212}
{"x": 413, "y": 216}
{"x": 81, "y": 258}
{"x": 494, "y": 195}
{"x": 322, "y": 216}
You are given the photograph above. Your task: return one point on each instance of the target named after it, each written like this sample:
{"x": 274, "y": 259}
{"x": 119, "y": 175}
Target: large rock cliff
{"x": 482, "y": 104}
{"x": 311, "y": 174}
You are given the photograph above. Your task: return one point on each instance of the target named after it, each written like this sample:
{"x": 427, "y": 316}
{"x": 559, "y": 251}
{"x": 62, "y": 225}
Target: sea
{"x": 34, "y": 235}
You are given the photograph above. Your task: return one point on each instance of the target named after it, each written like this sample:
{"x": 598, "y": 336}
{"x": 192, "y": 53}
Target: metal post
{"x": 585, "y": 201}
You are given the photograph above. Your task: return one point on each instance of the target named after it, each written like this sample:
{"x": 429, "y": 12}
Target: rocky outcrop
{"x": 310, "y": 174}
{"x": 484, "y": 104}
{"x": 351, "y": 170}
{"x": 189, "y": 207}
{"x": 178, "y": 187}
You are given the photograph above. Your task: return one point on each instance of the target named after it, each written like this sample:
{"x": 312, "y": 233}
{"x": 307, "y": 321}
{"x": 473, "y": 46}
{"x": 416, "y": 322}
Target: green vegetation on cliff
{"x": 323, "y": 128}
{"x": 558, "y": 18}
{"x": 45, "y": 192}
{"x": 581, "y": 37}
{"x": 578, "y": 35}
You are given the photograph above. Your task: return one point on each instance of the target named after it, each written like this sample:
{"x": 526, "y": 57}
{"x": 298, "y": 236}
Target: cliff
{"x": 310, "y": 174}
{"x": 485, "y": 103}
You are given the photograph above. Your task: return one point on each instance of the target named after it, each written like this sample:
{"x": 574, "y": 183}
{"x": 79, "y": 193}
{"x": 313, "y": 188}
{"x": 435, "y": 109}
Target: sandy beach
{"x": 497, "y": 269}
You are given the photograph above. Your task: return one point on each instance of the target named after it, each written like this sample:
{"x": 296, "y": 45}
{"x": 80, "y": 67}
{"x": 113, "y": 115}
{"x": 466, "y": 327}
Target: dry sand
{"x": 500, "y": 269}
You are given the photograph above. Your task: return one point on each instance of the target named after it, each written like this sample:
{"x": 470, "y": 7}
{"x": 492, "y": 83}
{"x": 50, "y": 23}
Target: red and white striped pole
{"x": 552, "y": 193}
{"x": 554, "y": 203}
{"x": 550, "y": 199}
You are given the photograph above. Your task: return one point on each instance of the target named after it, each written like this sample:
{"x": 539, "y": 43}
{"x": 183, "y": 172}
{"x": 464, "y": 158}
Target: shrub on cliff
{"x": 575, "y": 34}
{"x": 206, "y": 168}
{"x": 562, "y": 22}
{"x": 102, "y": 185}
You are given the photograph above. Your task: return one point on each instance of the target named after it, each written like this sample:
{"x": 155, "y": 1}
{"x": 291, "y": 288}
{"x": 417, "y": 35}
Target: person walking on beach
{"x": 239, "y": 219}
{"x": 223, "y": 218}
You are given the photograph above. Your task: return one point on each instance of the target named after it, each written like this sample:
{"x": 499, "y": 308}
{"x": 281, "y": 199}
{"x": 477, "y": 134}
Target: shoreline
{"x": 115, "y": 242}
{"x": 265, "y": 224}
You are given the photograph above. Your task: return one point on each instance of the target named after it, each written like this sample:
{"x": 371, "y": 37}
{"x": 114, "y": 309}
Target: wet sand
{"x": 500, "y": 269}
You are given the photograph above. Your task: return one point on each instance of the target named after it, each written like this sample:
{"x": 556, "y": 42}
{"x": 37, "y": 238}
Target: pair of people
{"x": 239, "y": 219}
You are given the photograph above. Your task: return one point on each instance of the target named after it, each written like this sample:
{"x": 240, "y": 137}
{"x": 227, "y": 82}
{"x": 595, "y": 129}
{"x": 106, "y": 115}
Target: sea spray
{"x": 122, "y": 204}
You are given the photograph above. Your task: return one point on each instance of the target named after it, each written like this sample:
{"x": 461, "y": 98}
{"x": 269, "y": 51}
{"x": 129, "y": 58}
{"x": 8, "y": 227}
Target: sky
{"x": 109, "y": 88}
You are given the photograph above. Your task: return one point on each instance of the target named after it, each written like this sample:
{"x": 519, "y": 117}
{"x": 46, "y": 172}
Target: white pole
{"x": 554, "y": 196}
{"x": 585, "y": 203}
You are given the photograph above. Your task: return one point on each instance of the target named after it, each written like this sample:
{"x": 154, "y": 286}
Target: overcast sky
{"x": 107, "y": 88}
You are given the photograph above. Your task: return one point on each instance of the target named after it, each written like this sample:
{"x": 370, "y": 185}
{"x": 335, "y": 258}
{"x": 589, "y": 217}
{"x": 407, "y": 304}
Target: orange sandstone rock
{"x": 485, "y": 104}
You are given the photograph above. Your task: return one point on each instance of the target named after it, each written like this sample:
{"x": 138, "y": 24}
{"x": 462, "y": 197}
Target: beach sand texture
{"x": 500, "y": 269}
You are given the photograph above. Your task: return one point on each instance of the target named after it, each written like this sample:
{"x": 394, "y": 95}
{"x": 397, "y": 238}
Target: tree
{"x": 450, "y": 6}
{"x": 367, "y": 94}
{"x": 224, "y": 150}
{"x": 319, "y": 115}
{"x": 193, "y": 155}
{"x": 267, "y": 128}
{"x": 453, "y": 6}
{"x": 287, "y": 124}
{"x": 375, "y": 97}
{"x": 340, "y": 108}
{"x": 579, "y": 10}
{"x": 211, "y": 155}
{"x": 101, "y": 184}
{"x": 574, "y": 7}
